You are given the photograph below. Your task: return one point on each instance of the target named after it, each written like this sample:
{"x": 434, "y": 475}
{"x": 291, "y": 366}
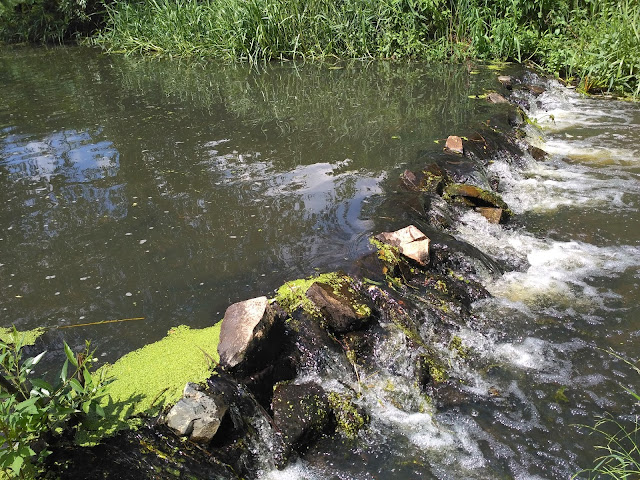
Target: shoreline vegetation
{"x": 594, "y": 44}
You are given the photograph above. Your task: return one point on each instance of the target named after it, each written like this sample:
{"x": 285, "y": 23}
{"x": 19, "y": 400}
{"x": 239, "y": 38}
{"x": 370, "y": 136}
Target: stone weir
{"x": 266, "y": 404}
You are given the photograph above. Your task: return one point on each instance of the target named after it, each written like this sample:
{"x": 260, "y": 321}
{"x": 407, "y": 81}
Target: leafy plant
{"x": 33, "y": 412}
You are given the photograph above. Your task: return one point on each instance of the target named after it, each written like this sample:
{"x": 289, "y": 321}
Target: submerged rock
{"x": 430, "y": 179}
{"x": 476, "y": 197}
{"x": 409, "y": 241}
{"x": 197, "y": 415}
{"x": 245, "y": 324}
{"x": 537, "y": 153}
{"x": 301, "y": 413}
{"x": 454, "y": 144}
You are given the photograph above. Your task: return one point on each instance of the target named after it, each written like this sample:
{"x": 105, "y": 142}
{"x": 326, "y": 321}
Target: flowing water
{"x": 157, "y": 189}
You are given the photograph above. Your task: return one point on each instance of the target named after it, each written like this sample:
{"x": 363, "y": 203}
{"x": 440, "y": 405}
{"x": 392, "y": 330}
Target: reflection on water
{"x": 157, "y": 189}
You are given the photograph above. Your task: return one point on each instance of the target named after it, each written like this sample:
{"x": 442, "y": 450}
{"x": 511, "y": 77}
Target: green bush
{"x": 34, "y": 412}
{"x": 49, "y": 21}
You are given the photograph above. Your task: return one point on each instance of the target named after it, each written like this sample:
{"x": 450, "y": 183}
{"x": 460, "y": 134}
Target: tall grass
{"x": 597, "y": 41}
{"x": 268, "y": 29}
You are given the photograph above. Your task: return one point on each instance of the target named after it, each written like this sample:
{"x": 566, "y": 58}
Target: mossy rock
{"x": 342, "y": 308}
{"x": 350, "y": 418}
{"x": 301, "y": 413}
{"x": 475, "y": 197}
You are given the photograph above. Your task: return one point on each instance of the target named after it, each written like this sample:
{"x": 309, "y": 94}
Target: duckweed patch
{"x": 10, "y": 335}
{"x": 146, "y": 380}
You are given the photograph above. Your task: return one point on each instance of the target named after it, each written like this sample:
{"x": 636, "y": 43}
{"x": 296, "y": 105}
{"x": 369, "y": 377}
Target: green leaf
{"x": 87, "y": 377}
{"x": 63, "y": 372}
{"x": 85, "y": 406}
{"x": 16, "y": 465}
{"x": 99, "y": 411}
{"x": 70, "y": 355}
{"x": 28, "y": 405}
{"x": 45, "y": 387}
{"x": 75, "y": 384}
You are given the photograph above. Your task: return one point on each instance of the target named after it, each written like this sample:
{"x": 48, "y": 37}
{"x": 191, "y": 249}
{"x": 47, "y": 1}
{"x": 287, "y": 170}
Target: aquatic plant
{"x": 620, "y": 447}
{"x": 148, "y": 379}
{"x": 33, "y": 411}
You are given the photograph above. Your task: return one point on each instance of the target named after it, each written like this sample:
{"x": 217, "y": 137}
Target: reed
{"x": 594, "y": 41}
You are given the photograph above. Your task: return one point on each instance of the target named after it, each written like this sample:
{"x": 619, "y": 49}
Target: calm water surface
{"x": 158, "y": 189}
{"x": 164, "y": 190}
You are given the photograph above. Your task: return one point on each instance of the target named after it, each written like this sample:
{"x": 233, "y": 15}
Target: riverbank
{"x": 595, "y": 45}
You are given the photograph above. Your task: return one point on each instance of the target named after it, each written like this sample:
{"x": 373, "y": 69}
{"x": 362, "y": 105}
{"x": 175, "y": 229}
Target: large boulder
{"x": 244, "y": 326}
{"x": 197, "y": 415}
{"x": 410, "y": 242}
{"x": 343, "y": 310}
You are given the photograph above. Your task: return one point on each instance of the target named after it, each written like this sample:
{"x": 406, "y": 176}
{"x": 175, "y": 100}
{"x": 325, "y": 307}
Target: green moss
{"x": 349, "y": 419}
{"x": 437, "y": 372}
{"x": 458, "y": 347}
{"x": 441, "y": 287}
{"x": 28, "y": 337}
{"x": 292, "y": 295}
{"x": 387, "y": 253}
{"x": 154, "y": 376}
{"x": 559, "y": 396}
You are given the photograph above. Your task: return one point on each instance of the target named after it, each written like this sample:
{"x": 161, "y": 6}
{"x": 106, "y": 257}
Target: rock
{"x": 343, "y": 311}
{"x": 431, "y": 179}
{"x": 181, "y": 417}
{"x": 350, "y": 418}
{"x": 535, "y": 89}
{"x": 496, "y": 98}
{"x": 197, "y": 414}
{"x": 493, "y": 215}
{"x": 454, "y": 145}
{"x": 505, "y": 80}
{"x": 409, "y": 180}
{"x": 476, "y": 197}
{"x": 244, "y": 326}
{"x": 301, "y": 413}
{"x": 410, "y": 241}
{"x": 537, "y": 153}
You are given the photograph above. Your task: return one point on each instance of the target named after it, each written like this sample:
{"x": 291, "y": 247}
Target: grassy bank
{"x": 596, "y": 42}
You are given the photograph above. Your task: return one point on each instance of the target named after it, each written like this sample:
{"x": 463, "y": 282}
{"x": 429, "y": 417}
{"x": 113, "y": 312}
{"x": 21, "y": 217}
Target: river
{"x": 167, "y": 190}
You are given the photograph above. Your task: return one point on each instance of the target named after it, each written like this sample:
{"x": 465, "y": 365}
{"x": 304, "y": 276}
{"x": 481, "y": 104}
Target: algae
{"x": 28, "y": 337}
{"x": 458, "y": 347}
{"x": 292, "y": 295}
{"x": 152, "y": 377}
{"x": 349, "y": 419}
{"x": 387, "y": 253}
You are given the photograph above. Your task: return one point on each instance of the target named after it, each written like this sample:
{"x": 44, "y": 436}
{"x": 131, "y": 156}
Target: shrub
{"x": 33, "y": 412}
